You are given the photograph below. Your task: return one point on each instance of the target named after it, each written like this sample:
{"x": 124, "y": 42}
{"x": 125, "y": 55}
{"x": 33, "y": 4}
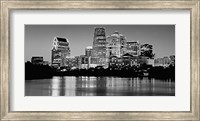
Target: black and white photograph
{"x": 99, "y": 60}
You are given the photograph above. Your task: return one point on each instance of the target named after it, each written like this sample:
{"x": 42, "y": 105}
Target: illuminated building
{"x": 84, "y": 62}
{"x": 125, "y": 61}
{"x": 116, "y": 45}
{"x": 166, "y": 61}
{"x": 60, "y": 51}
{"x": 87, "y": 62}
{"x": 129, "y": 60}
{"x": 99, "y": 45}
{"x": 133, "y": 48}
{"x": 88, "y": 51}
{"x": 78, "y": 61}
{"x": 115, "y": 62}
{"x": 71, "y": 62}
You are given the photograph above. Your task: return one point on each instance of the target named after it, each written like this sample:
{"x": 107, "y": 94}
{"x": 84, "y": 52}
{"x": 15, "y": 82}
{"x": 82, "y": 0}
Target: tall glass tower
{"x": 99, "y": 45}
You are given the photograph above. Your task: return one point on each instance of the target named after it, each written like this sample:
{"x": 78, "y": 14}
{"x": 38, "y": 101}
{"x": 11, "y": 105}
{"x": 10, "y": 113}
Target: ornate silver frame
{"x": 192, "y": 5}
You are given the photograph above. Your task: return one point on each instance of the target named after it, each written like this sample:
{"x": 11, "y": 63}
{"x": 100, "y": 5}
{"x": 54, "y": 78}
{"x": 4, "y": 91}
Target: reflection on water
{"x": 99, "y": 86}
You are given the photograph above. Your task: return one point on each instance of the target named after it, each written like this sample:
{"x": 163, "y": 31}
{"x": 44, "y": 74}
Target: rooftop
{"x": 89, "y": 47}
{"x": 61, "y": 39}
{"x": 132, "y": 42}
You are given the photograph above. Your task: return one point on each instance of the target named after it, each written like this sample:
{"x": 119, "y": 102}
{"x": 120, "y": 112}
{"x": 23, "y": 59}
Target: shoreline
{"x": 44, "y": 71}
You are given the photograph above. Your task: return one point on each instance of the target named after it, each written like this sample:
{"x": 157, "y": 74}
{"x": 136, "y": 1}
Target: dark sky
{"x": 39, "y": 38}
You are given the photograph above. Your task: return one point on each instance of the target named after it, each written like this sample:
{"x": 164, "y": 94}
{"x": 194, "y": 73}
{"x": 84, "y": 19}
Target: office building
{"x": 116, "y": 45}
{"x": 133, "y": 48}
{"x": 60, "y": 51}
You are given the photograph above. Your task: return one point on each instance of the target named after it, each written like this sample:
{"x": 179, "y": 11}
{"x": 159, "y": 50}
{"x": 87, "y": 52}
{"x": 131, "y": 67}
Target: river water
{"x": 99, "y": 86}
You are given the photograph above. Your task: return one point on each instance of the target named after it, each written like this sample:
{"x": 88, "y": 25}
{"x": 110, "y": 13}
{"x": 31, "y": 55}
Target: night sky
{"x": 39, "y": 38}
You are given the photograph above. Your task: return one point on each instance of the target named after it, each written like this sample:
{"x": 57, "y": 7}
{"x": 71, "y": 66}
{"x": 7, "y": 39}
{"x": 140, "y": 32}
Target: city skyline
{"x": 39, "y": 38}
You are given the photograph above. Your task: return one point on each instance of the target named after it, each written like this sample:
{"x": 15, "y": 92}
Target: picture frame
{"x": 7, "y": 6}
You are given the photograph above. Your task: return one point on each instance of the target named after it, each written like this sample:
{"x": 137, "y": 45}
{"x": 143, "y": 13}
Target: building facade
{"x": 116, "y": 45}
{"x": 164, "y": 62}
{"x": 60, "y": 51}
{"x": 99, "y": 45}
{"x": 37, "y": 60}
{"x": 87, "y": 62}
{"x": 133, "y": 48}
{"x": 71, "y": 62}
{"x": 130, "y": 60}
{"x": 125, "y": 61}
{"x": 115, "y": 63}
{"x": 88, "y": 51}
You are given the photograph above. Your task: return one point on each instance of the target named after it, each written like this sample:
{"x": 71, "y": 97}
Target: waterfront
{"x": 99, "y": 86}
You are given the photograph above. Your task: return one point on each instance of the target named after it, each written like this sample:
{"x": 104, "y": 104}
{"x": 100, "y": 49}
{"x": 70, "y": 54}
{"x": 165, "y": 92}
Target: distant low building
{"x": 84, "y": 62}
{"x": 78, "y": 61}
{"x": 115, "y": 62}
{"x": 37, "y": 60}
{"x": 93, "y": 62}
{"x": 165, "y": 61}
{"x": 172, "y": 59}
{"x": 71, "y": 62}
{"x": 158, "y": 62}
{"x": 126, "y": 60}
{"x": 88, "y": 62}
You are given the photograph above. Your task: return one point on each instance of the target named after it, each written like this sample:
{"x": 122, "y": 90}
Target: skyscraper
{"x": 60, "y": 51}
{"x": 116, "y": 45}
{"x": 99, "y": 45}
